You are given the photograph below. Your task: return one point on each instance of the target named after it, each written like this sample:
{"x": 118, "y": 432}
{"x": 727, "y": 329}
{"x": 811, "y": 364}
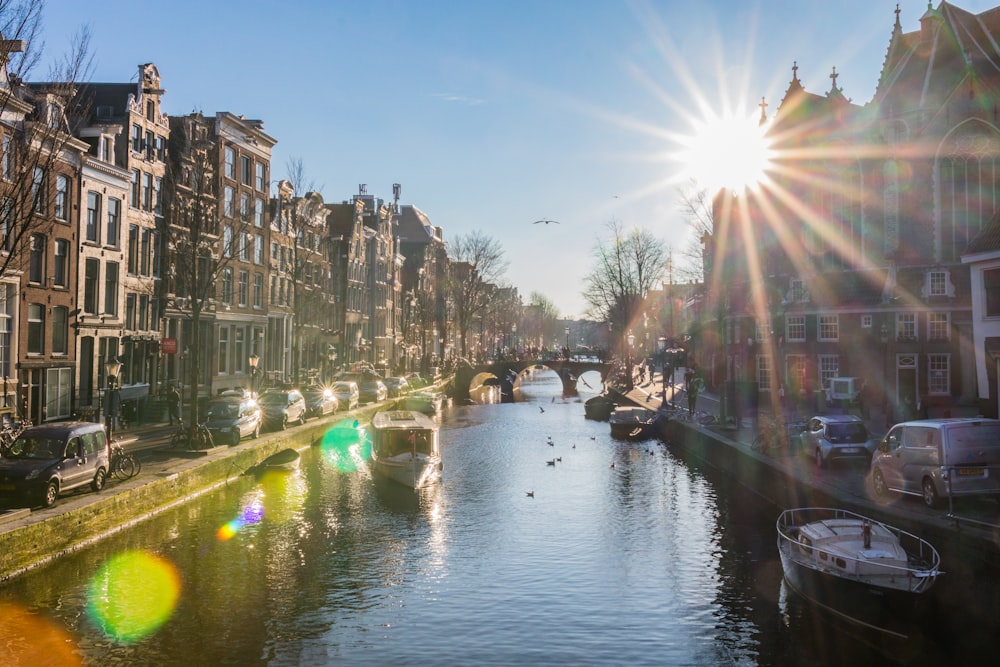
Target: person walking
{"x": 174, "y": 405}
{"x": 692, "y": 386}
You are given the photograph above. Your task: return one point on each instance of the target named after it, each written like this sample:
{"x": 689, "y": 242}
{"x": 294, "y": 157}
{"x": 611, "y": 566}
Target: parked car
{"x": 232, "y": 418}
{"x": 397, "y": 386}
{"x": 831, "y": 437}
{"x": 45, "y": 461}
{"x": 282, "y": 407}
{"x": 347, "y": 393}
{"x": 935, "y": 458}
{"x": 372, "y": 391}
{"x": 320, "y": 401}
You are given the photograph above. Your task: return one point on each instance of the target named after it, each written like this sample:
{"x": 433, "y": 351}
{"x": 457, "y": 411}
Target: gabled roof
{"x": 988, "y": 239}
{"x": 414, "y": 226}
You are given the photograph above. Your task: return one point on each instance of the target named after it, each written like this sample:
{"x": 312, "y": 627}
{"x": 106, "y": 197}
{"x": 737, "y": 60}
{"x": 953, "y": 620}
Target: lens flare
{"x": 132, "y": 595}
{"x": 29, "y": 639}
{"x": 345, "y": 445}
{"x": 251, "y": 514}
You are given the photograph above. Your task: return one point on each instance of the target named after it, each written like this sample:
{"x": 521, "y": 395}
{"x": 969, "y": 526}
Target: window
{"x": 157, "y": 195}
{"x": 161, "y": 149}
{"x": 798, "y": 291}
{"x": 244, "y": 206}
{"x": 230, "y": 167}
{"x": 7, "y": 159}
{"x": 939, "y": 373}
{"x": 145, "y": 253}
{"x": 991, "y": 292}
{"x": 114, "y": 220}
{"x": 937, "y": 283}
{"x": 60, "y": 330}
{"x": 906, "y": 326}
{"x": 938, "y": 326}
{"x": 763, "y": 372}
{"x": 227, "y": 206}
{"x": 258, "y": 290}
{"x": 245, "y": 246}
{"x": 223, "y": 349}
{"x": 58, "y": 398}
{"x": 829, "y": 327}
{"x": 866, "y": 321}
{"x": 260, "y": 184}
{"x": 795, "y": 328}
{"x": 137, "y": 138}
{"x": 130, "y": 311}
{"x": 133, "y": 250}
{"x": 36, "y": 261}
{"x": 8, "y": 297}
{"x": 7, "y": 222}
{"x": 135, "y": 194}
{"x": 111, "y": 288}
{"x": 62, "y": 194}
{"x": 92, "y": 270}
{"x": 61, "y": 269}
{"x": 227, "y": 285}
{"x": 154, "y": 253}
{"x": 36, "y": 328}
{"x": 150, "y": 110}
{"x": 258, "y": 249}
{"x": 244, "y": 287}
{"x": 246, "y": 171}
{"x": 829, "y": 367}
{"x": 239, "y": 357}
{"x": 150, "y": 145}
{"x": 258, "y": 212}
{"x": 93, "y": 217}
{"x": 37, "y": 194}
{"x": 227, "y": 241}
{"x": 143, "y": 312}
{"x": 147, "y": 192}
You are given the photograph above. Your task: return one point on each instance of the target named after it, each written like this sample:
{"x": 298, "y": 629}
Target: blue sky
{"x": 492, "y": 115}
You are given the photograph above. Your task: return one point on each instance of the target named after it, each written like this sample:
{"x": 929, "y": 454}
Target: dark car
{"x": 397, "y": 386}
{"x": 44, "y": 461}
{"x": 831, "y": 437}
{"x": 320, "y": 401}
{"x": 231, "y": 418}
{"x": 282, "y": 407}
{"x": 372, "y": 391}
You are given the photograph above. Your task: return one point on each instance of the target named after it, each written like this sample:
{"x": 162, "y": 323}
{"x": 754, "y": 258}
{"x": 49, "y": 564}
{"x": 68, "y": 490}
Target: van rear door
{"x": 971, "y": 457}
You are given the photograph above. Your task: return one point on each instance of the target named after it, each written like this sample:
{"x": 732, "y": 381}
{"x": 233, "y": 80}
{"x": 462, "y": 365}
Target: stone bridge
{"x": 567, "y": 370}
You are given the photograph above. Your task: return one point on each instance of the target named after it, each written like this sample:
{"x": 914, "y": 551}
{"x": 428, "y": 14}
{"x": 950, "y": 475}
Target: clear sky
{"x": 493, "y": 114}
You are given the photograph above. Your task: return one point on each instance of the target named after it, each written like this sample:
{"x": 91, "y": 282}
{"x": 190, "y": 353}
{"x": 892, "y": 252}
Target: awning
{"x": 131, "y": 392}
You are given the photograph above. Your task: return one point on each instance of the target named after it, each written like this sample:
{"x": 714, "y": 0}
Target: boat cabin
{"x": 850, "y": 546}
{"x": 404, "y": 432}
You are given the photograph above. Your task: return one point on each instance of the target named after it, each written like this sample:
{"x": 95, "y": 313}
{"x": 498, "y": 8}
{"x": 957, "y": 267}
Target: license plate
{"x": 971, "y": 472}
{"x": 849, "y": 450}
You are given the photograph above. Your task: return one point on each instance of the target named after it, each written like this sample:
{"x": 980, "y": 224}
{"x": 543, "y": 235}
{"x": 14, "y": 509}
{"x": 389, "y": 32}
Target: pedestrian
{"x": 174, "y": 405}
{"x": 692, "y": 386}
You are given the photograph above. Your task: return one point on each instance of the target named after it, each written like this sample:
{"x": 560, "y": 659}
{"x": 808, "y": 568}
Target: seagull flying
{"x": 546, "y": 221}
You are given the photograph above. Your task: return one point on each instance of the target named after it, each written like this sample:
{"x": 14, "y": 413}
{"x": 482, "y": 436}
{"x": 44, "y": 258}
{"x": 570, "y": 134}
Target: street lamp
{"x": 113, "y": 368}
{"x": 883, "y": 337}
{"x": 567, "y": 341}
{"x": 628, "y": 358}
{"x": 253, "y": 360}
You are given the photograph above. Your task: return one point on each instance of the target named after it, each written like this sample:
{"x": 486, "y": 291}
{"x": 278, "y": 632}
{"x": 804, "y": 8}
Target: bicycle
{"x": 771, "y": 436}
{"x": 192, "y": 438}
{"x": 123, "y": 464}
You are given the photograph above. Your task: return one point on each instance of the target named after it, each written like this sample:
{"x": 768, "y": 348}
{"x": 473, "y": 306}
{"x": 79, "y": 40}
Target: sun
{"x": 729, "y": 151}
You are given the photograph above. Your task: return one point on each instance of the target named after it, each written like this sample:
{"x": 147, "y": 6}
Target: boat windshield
{"x": 400, "y": 441}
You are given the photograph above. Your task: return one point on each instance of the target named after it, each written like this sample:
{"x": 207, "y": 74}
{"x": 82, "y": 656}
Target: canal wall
{"x": 30, "y": 539}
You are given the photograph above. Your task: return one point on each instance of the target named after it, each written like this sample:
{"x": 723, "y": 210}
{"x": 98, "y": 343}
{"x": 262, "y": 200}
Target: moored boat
{"x": 859, "y": 569}
{"x": 405, "y": 447}
{"x": 632, "y": 423}
{"x": 599, "y": 407}
{"x": 427, "y": 402}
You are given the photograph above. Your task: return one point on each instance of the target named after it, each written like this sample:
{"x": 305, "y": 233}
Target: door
{"x": 890, "y": 462}
{"x": 75, "y": 464}
{"x": 907, "y": 395}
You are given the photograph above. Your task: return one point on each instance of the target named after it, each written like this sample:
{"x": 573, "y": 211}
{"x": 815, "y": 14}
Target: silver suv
{"x": 830, "y": 437}
{"x": 44, "y": 461}
{"x": 282, "y": 407}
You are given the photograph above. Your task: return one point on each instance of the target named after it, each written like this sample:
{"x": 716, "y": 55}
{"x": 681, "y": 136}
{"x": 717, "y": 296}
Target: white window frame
{"x": 828, "y": 328}
{"x": 827, "y": 366}
{"x": 793, "y": 325}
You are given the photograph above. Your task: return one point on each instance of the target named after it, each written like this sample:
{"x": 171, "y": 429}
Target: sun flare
{"x": 729, "y": 152}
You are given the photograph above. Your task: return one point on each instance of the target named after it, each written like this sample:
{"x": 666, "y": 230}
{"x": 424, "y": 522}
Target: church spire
{"x": 763, "y": 114}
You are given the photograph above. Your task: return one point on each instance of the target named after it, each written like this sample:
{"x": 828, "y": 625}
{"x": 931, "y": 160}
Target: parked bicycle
{"x": 194, "y": 437}
{"x": 123, "y": 463}
{"x": 9, "y": 432}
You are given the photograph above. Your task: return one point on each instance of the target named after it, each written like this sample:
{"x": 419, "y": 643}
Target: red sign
{"x": 168, "y": 346}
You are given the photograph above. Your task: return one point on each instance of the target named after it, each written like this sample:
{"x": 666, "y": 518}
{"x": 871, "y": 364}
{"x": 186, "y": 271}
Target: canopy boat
{"x": 857, "y": 568}
{"x": 405, "y": 447}
{"x": 632, "y": 423}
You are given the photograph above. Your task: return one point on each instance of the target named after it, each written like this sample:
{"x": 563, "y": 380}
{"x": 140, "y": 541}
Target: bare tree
{"x": 36, "y": 125}
{"x": 628, "y": 265}
{"x": 696, "y": 207}
{"x": 541, "y": 319}
{"x": 477, "y": 263}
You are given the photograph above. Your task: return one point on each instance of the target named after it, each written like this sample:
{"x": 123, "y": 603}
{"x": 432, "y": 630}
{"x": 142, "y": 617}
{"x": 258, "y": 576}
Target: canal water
{"x": 547, "y": 543}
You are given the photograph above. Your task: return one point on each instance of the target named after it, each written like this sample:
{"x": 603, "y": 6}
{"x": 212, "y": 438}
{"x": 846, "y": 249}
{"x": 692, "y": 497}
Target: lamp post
{"x": 253, "y": 360}
{"x": 113, "y": 368}
{"x": 567, "y": 342}
{"x": 628, "y": 358}
{"x": 883, "y": 337}
{"x": 331, "y": 357}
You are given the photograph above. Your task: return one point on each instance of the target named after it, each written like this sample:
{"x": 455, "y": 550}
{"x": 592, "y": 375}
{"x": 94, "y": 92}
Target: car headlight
{"x": 33, "y": 474}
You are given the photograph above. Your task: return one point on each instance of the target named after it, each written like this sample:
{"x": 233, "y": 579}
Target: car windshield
{"x": 223, "y": 411}
{"x": 273, "y": 399}
{"x": 342, "y": 388}
{"x": 36, "y": 448}
{"x": 847, "y": 433}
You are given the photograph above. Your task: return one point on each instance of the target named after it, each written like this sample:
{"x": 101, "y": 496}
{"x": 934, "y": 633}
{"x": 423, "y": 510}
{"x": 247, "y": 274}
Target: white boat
{"x": 632, "y": 423}
{"x": 857, "y": 568}
{"x": 405, "y": 447}
{"x": 427, "y": 402}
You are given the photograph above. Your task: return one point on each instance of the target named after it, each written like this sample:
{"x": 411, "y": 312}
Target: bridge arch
{"x": 508, "y": 371}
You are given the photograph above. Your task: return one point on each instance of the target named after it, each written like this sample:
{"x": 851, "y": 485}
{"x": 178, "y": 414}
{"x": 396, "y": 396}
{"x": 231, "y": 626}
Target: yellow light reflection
{"x": 132, "y": 595}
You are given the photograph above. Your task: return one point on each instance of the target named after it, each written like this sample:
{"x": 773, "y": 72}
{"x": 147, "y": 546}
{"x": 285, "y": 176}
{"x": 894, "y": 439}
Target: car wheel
{"x": 50, "y": 494}
{"x": 820, "y": 461}
{"x": 99, "y": 480}
{"x": 929, "y": 493}
{"x": 878, "y": 483}
{"x": 236, "y": 437}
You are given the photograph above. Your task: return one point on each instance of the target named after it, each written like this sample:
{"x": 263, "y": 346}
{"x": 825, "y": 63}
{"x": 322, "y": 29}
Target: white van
{"x": 938, "y": 458}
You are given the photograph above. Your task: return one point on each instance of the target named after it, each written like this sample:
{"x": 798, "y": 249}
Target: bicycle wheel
{"x": 126, "y": 466}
